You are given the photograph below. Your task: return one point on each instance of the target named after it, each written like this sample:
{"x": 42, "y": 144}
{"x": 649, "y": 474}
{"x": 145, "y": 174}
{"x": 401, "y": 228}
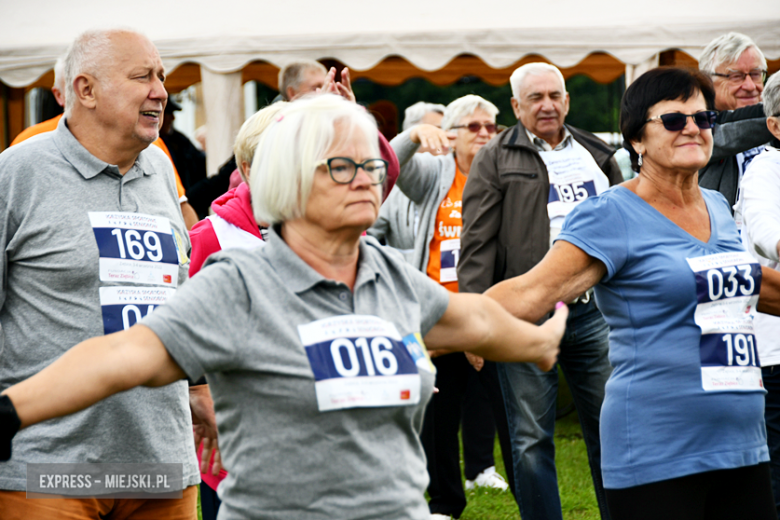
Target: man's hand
{"x": 204, "y": 427}
{"x": 432, "y": 139}
{"x": 475, "y": 361}
{"x": 341, "y": 88}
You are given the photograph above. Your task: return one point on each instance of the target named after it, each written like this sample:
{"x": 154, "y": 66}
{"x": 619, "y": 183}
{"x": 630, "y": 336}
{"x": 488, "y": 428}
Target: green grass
{"x": 578, "y": 499}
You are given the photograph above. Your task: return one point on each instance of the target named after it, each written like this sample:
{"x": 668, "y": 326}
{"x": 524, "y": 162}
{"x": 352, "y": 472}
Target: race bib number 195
{"x": 361, "y": 361}
{"x": 135, "y": 248}
{"x": 727, "y": 288}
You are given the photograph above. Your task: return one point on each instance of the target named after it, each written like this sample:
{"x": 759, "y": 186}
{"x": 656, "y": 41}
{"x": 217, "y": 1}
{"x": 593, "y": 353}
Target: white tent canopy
{"x": 225, "y": 35}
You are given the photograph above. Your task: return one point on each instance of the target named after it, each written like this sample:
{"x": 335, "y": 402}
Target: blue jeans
{"x": 530, "y": 398}
{"x": 771, "y": 377}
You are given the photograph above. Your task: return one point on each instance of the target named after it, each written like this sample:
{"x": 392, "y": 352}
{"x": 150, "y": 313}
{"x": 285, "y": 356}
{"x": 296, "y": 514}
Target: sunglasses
{"x": 474, "y": 128}
{"x": 676, "y": 121}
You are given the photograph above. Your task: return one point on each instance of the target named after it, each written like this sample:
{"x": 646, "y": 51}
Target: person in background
{"x": 738, "y": 70}
{"x": 312, "y": 345}
{"x": 435, "y": 185}
{"x": 760, "y": 209}
{"x": 189, "y": 161}
{"x": 300, "y": 78}
{"x": 682, "y": 426}
{"x": 92, "y": 238}
{"x": 59, "y": 90}
{"x": 521, "y": 187}
{"x": 422, "y": 113}
{"x": 232, "y": 225}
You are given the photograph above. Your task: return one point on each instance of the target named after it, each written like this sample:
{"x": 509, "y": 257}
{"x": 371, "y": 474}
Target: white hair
{"x": 291, "y": 75}
{"x": 86, "y": 55}
{"x": 464, "y": 107}
{"x": 533, "y": 69}
{"x": 772, "y": 96}
{"x": 59, "y": 74}
{"x": 727, "y": 49}
{"x": 414, "y": 114}
{"x": 290, "y": 149}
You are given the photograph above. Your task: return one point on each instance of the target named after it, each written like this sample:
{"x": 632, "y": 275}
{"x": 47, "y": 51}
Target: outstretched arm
{"x": 475, "y": 323}
{"x": 93, "y": 370}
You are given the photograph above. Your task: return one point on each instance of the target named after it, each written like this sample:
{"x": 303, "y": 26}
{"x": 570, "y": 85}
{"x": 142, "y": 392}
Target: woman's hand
{"x": 341, "y": 88}
{"x": 432, "y": 139}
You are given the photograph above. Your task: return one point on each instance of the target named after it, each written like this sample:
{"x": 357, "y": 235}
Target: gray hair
{"x": 291, "y": 74}
{"x": 59, "y": 74}
{"x": 464, "y": 107}
{"x": 291, "y": 148}
{"x": 86, "y": 55}
{"x": 533, "y": 69}
{"x": 414, "y": 114}
{"x": 250, "y": 132}
{"x": 727, "y": 49}
{"x": 772, "y": 96}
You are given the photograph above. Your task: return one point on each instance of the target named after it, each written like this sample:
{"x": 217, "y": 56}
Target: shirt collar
{"x": 543, "y": 146}
{"x": 87, "y": 164}
{"x": 301, "y": 276}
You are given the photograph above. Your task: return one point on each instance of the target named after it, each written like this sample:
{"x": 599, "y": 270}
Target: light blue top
{"x": 657, "y": 422}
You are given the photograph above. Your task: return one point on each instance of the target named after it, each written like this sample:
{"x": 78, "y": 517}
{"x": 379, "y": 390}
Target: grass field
{"x": 577, "y": 497}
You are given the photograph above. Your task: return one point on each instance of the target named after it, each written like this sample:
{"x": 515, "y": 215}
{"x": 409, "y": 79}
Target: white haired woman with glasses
{"x": 431, "y": 187}
{"x": 682, "y": 428}
{"x": 312, "y": 345}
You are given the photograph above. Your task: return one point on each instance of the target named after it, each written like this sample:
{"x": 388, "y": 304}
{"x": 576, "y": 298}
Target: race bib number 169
{"x": 361, "y": 361}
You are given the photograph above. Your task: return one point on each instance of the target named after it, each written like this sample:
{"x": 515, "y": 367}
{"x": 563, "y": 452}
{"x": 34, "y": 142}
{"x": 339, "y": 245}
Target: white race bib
{"x": 362, "y": 362}
{"x": 727, "y": 288}
{"x": 574, "y": 176}
{"x": 135, "y": 248}
{"x": 123, "y": 307}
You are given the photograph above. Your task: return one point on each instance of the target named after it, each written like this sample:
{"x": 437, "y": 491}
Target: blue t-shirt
{"x": 657, "y": 421}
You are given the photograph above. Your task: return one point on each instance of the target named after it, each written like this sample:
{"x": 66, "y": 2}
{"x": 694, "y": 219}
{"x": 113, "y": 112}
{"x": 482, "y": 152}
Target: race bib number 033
{"x": 362, "y": 362}
{"x": 727, "y": 288}
{"x": 135, "y": 248}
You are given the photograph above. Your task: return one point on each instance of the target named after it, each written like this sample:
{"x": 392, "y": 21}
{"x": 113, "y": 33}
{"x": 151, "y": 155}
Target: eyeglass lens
{"x": 474, "y": 128}
{"x": 757, "y": 76}
{"x": 676, "y": 122}
{"x": 343, "y": 169}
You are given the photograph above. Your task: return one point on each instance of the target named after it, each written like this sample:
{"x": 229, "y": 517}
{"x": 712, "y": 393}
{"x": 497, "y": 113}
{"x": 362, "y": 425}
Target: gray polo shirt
{"x": 56, "y": 201}
{"x": 248, "y": 321}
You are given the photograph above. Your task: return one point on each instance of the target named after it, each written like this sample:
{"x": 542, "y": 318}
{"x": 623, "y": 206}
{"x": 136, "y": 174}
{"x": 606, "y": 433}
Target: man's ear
{"x": 515, "y": 106}
{"x": 290, "y": 93}
{"x": 84, "y": 89}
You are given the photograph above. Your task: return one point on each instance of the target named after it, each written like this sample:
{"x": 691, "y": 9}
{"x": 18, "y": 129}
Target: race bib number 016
{"x": 727, "y": 288}
{"x": 135, "y": 248}
{"x": 362, "y": 362}
{"x": 123, "y": 307}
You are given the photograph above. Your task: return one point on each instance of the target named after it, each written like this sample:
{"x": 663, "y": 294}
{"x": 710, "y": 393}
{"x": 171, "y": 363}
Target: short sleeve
{"x": 432, "y": 297}
{"x": 598, "y": 227}
{"x": 203, "y": 326}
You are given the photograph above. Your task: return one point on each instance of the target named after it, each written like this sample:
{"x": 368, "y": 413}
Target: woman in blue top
{"x": 682, "y": 429}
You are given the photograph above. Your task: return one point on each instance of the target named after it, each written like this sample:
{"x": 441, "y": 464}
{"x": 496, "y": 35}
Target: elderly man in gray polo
{"x": 92, "y": 239}
{"x": 738, "y": 70}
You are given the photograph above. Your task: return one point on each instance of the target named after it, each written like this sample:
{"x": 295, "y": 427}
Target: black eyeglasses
{"x": 737, "y": 77}
{"x": 474, "y": 128}
{"x": 343, "y": 170}
{"x": 676, "y": 121}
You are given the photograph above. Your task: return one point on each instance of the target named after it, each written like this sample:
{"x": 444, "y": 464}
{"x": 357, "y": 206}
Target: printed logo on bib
{"x": 362, "y": 362}
{"x": 135, "y": 248}
{"x": 450, "y": 254}
{"x": 123, "y": 307}
{"x": 727, "y": 288}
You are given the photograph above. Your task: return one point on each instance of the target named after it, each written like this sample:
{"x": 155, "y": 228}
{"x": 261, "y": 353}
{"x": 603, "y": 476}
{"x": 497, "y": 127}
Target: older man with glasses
{"x": 738, "y": 69}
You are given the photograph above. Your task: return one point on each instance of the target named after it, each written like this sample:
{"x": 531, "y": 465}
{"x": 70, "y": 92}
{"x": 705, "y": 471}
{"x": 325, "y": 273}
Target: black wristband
{"x": 9, "y": 425}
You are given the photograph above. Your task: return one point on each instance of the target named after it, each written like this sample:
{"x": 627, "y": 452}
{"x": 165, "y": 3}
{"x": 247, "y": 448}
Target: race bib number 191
{"x": 135, "y": 248}
{"x": 361, "y": 361}
{"x": 727, "y": 288}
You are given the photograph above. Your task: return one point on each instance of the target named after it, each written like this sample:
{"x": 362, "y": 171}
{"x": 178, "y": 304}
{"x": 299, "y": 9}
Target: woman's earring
{"x": 639, "y": 162}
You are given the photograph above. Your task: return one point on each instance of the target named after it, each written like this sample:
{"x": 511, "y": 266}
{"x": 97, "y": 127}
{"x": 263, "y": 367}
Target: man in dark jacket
{"x": 522, "y": 185}
{"x": 738, "y": 70}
